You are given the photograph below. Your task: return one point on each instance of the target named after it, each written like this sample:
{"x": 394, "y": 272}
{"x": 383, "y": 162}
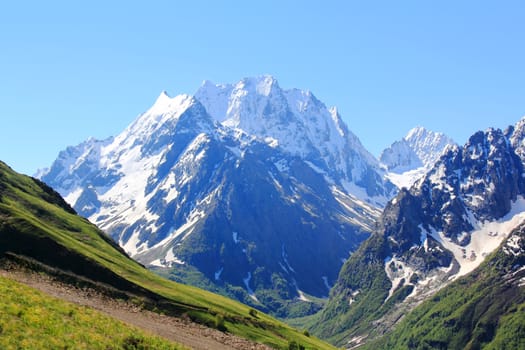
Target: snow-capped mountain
{"x": 441, "y": 228}
{"x": 410, "y": 158}
{"x": 428, "y": 145}
{"x": 301, "y": 125}
{"x": 400, "y": 157}
{"x": 263, "y": 204}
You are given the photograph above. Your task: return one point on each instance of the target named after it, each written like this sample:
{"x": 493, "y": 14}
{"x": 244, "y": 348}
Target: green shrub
{"x": 293, "y": 345}
{"x": 133, "y": 343}
{"x": 219, "y": 323}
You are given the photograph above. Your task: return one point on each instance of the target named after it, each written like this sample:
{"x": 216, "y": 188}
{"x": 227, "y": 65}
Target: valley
{"x": 264, "y": 196}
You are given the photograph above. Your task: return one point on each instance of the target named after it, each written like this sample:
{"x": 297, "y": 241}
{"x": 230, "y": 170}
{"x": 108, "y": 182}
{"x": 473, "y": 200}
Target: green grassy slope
{"x": 35, "y": 222}
{"x": 483, "y": 310}
{"x": 32, "y": 320}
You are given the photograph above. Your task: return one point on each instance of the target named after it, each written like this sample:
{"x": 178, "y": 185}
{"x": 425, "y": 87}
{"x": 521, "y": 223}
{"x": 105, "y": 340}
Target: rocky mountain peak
{"x": 516, "y": 136}
{"x": 400, "y": 157}
{"x": 408, "y": 159}
{"x": 428, "y": 145}
{"x": 298, "y": 123}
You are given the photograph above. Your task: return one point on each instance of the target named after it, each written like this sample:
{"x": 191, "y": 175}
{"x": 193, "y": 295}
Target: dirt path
{"x": 182, "y": 331}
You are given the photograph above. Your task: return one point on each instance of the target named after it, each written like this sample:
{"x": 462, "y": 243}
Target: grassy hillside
{"x": 35, "y": 222}
{"x": 32, "y": 320}
{"x": 483, "y": 310}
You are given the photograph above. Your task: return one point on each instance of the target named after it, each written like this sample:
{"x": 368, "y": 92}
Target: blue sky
{"x": 71, "y": 70}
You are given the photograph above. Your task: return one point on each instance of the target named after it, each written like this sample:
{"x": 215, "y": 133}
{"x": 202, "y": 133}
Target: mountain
{"x": 483, "y": 310}
{"x": 400, "y": 157}
{"x": 248, "y": 190}
{"x": 297, "y": 122}
{"x": 41, "y": 232}
{"x": 428, "y": 145}
{"x": 410, "y": 158}
{"x": 441, "y": 228}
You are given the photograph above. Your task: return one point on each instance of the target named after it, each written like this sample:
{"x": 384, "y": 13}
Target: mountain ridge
{"x": 439, "y": 229}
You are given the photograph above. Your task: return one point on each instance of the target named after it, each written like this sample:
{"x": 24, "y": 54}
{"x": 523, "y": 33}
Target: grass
{"x": 36, "y": 222}
{"x": 31, "y": 320}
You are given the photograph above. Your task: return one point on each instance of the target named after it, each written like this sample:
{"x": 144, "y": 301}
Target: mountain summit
{"x": 302, "y": 126}
{"x": 247, "y": 189}
{"x": 410, "y": 158}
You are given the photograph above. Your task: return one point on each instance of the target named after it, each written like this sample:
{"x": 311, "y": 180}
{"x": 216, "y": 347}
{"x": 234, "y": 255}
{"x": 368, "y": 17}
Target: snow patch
{"x": 484, "y": 239}
{"x": 126, "y": 201}
{"x": 406, "y": 179}
{"x": 270, "y": 141}
{"x": 170, "y": 258}
{"x": 131, "y": 246}
{"x": 248, "y": 288}
{"x": 302, "y": 296}
{"x": 423, "y": 238}
{"x": 284, "y": 255}
{"x": 275, "y": 182}
{"x": 217, "y": 273}
{"x": 169, "y": 185}
{"x": 326, "y": 284}
{"x": 356, "y": 341}
{"x": 73, "y": 196}
{"x": 186, "y": 229}
{"x": 354, "y": 294}
{"x": 397, "y": 271}
{"x": 362, "y": 195}
{"x": 156, "y": 263}
{"x": 357, "y": 212}
{"x": 235, "y": 150}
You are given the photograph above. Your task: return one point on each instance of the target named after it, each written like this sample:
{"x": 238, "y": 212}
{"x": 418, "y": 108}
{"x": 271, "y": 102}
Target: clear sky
{"x": 74, "y": 69}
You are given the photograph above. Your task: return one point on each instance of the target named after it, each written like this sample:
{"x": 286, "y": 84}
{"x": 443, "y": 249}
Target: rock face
{"x": 441, "y": 228}
{"x": 247, "y": 189}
